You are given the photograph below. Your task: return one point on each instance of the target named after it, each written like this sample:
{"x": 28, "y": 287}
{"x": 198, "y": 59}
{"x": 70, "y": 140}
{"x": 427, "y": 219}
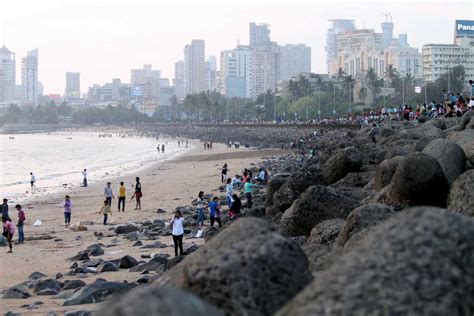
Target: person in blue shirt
{"x": 248, "y": 188}
{"x": 215, "y": 212}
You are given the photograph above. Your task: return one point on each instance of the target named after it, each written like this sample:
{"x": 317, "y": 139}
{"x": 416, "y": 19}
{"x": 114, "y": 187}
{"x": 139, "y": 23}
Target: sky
{"x": 104, "y": 39}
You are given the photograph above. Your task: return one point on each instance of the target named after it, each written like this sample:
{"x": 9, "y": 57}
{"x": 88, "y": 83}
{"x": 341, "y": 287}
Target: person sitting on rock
{"x": 373, "y": 132}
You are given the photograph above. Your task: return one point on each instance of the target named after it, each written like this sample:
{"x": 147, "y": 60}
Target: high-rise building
{"x": 338, "y": 26}
{"x": 387, "y": 34}
{"x": 73, "y": 85}
{"x": 29, "y": 78}
{"x": 265, "y": 68}
{"x": 195, "y": 67}
{"x": 7, "y": 75}
{"x": 178, "y": 80}
{"x": 294, "y": 60}
{"x": 236, "y": 72}
{"x": 145, "y": 82}
{"x": 259, "y": 34}
{"x": 116, "y": 86}
{"x": 211, "y": 69}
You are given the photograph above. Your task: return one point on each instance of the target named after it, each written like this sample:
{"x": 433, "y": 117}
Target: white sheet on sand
{"x": 37, "y": 223}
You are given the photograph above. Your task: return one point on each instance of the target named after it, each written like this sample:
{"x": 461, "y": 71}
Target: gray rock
{"x": 156, "y": 244}
{"x": 419, "y": 180}
{"x": 419, "y": 262}
{"x": 363, "y": 218}
{"x": 10, "y": 313}
{"x": 384, "y": 172}
{"x": 326, "y": 232}
{"x": 107, "y": 266}
{"x": 210, "y": 232}
{"x": 133, "y": 236}
{"x": 157, "y": 262}
{"x": 125, "y": 229}
{"x": 97, "y": 292}
{"x": 255, "y": 276}
{"x": 47, "y": 284}
{"x": 59, "y": 275}
{"x": 36, "y": 275}
{"x": 461, "y": 194}
{"x": 81, "y": 255}
{"x": 17, "y": 292}
{"x": 450, "y": 156}
{"x": 95, "y": 250}
{"x": 126, "y": 262}
{"x": 48, "y": 292}
{"x": 138, "y": 244}
{"x": 274, "y": 185}
{"x": 73, "y": 284}
{"x": 78, "y": 313}
{"x": 159, "y": 300}
{"x": 316, "y": 204}
{"x": 341, "y": 163}
{"x": 355, "y": 179}
{"x": 464, "y": 139}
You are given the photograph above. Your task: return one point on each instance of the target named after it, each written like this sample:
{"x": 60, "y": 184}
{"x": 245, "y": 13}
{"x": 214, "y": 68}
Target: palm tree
{"x": 363, "y": 94}
{"x": 373, "y": 82}
{"x": 390, "y": 75}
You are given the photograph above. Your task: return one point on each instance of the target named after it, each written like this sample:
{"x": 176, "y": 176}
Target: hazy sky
{"x": 104, "y": 39}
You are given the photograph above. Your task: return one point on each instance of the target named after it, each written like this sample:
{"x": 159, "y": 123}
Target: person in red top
{"x": 21, "y": 222}
{"x": 8, "y": 231}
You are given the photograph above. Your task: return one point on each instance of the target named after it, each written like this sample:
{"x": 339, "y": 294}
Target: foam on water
{"x": 57, "y": 160}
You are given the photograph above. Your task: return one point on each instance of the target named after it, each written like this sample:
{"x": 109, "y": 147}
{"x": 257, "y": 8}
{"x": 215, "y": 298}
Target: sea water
{"x": 58, "y": 159}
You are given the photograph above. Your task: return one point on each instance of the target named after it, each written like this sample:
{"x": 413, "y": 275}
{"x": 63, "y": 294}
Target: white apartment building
{"x": 178, "y": 80}
{"x": 438, "y": 59}
{"x": 73, "y": 85}
{"x": 265, "y": 68}
{"x": 236, "y": 72}
{"x": 7, "y": 75}
{"x": 195, "y": 80}
{"x": 29, "y": 78}
{"x": 146, "y": 81}
{"x": 338, "y": 26}
{"x": 294, "y": 60}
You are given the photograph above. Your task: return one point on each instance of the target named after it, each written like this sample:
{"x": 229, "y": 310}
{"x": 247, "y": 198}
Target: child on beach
{"x": 215, "y": 212}
{"x": 20, "y": 224}
{"x": 8, "y": 231}
{"x": 105, "y": 210}
{"x": 67, "y": 210}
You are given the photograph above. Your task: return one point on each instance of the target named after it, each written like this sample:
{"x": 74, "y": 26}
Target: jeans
{"x": 105, "y": 219}
{"x": 121, "y": 200}
{"x": 84, "y": 182}
{"x": 216, "y": 219}
{"x": 21, "y": 234}
{"x": 201, "y": 216}
{"x": 229, "y": 201}
{"x": 178, "y": 243}
{"x": 67, "y": 218}
{"x": 109, "y": 200}
{"x": 249, "y": 199}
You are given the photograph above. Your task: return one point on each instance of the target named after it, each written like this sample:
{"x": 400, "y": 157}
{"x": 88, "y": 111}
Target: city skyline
{"x": 105, "y": 41}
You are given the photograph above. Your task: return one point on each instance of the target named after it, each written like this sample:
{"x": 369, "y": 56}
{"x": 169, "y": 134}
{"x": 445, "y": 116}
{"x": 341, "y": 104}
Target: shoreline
{"x": 166, "y": 185}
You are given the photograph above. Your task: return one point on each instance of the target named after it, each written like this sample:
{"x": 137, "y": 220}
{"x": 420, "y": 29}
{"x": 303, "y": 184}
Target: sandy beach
{"x": 165, "y": 185}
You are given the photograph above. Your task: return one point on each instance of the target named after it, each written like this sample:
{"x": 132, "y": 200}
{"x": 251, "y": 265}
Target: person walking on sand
{"x": 84, "y": 176}
{"x": 67, "y": 206}
{"x": 108, "y": 194}
{"x": 163, "y": 148}
{"x": 224, "y": 173}
{"x": 158, "y": 148}
{"x": 20, "y": 224}
{"x": 201, "y": 206}
{"x": 138, "y": 194}
{"x": 121, "y": 198}
{"x": 177, "y": 227}
{"x": 105, "y": 210}
{"x": 4, "y": 208}
{"x": 8, "y": 232}
{"x": 32, "y": 181}
{"x": 215, "y": 212}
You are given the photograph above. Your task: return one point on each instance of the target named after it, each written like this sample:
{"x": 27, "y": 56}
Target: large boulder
{"x": 341, "y": 163}
{"x": 125, "y": 229}
{"x": 274, "y": 185}
{"x": 316, "y": 204}
{"x": 16, "y": 292}
{"x": 465, "y": 140}
{"x": 97, "y": 292}
{"x": 51, "y": 285}
{"x": 450, "y": 156}
{"x": 246, "y": 269}
{"x": 95, "y": 250}
{"x": 127, "y": 262}
{"x": 461, "y": 194}
{"x": 384, "y": 172}
{"x": 159, "y": 300}
{"x": 363, "y": 218}
{"x": 419, "y": 180}
{"x": 326, "y": 232}
{"x": 419, "y": 262}
{"x": 294, "y": 186}
{"x": 355, "y": 179}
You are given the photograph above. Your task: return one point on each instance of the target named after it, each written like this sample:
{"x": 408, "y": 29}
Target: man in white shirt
{"x": 84, "y": 175}
{"x": 108, "y": 194}
{"x": 32, "y": 181}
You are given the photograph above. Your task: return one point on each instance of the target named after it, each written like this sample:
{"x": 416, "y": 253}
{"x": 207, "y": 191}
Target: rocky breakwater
{"x": 361, "y": 228}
